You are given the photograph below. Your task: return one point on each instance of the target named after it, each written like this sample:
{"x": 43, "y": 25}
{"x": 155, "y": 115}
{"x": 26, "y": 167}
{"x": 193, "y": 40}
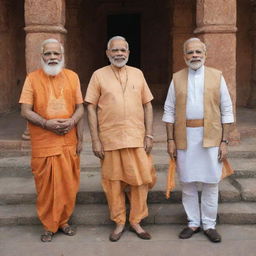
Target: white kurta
{"x": 196, "y": 163}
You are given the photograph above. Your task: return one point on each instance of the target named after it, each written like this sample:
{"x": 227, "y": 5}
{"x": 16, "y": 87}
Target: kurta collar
{"x": 116, "y": 69}
{"x": 199, "y": 71}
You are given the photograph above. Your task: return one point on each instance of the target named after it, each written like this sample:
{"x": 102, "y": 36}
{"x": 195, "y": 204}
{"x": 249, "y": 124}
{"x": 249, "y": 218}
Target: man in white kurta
{"x": 198, "y": 164}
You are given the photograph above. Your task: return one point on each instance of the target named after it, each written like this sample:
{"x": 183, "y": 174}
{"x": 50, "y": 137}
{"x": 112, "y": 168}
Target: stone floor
{"x": 93, "y": 241}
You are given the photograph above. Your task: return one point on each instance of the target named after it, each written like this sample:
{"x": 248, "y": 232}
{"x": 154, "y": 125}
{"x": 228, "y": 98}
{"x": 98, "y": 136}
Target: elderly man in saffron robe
{"x": 198, "y": 113}
{"x": 120, "y": 120}
{"x": 51, "y": 101}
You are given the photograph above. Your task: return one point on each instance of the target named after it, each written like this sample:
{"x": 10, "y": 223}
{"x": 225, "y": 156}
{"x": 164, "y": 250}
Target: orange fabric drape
{"x": 170, "y": 178}
{"x": 57, "y": 181}
{"x": 227, "y": 170}
{"x": 130, "y": 165}
{"x": 115, "y": 191}
{"x": 170, "y": 185}
{"x": 132, "y": 169}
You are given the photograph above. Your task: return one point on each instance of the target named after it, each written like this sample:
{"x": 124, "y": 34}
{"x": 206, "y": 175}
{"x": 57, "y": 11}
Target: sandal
{"x": 68, "y": 230}
{"x": 47, "y": 236}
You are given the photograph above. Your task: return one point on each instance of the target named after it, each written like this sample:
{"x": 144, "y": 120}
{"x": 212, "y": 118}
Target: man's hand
{"x": 66, "y": 125}
{"x": 79, "y": 146}
{"x": 223, "y": 151}
{"x": 97, "y": 149}
{"x": 54, "y": 125}
{"x": 171, "y": 149}
{"x": 60, "y": 126}
{"x": 148, "y": 144}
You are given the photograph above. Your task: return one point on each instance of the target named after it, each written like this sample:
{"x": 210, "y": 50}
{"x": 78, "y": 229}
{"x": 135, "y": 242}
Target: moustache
{"x": 52, "y": 62}
{"x": 119, "y": 58}
{"x": 195, "y": 60}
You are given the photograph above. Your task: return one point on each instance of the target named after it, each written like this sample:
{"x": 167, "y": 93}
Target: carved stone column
{"x": 216, "y": 26}
{"x": 43, "y": 19}
{"x": 251, "y": 103}
{"x": 182, "y": 29}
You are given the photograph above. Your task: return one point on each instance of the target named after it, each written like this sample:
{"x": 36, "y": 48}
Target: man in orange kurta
{"x": 52, "y": 103}
{"x": 120, "y": 120}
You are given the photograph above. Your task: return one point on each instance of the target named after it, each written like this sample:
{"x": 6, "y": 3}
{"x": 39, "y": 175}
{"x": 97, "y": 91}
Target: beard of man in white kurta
{"x": 196, "y": 163}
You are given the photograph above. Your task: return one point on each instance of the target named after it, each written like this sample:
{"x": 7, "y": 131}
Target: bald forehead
{"x": 194, "y": 45}
{"x": 52, "y": 47}
{"x": 118, "y": 43}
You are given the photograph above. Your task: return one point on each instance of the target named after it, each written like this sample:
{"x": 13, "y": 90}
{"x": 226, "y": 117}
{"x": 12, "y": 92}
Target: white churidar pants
{"x": 209, "y": 204}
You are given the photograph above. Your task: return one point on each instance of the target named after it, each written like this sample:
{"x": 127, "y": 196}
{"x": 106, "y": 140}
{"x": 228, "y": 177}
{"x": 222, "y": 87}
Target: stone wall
{"x": 12, "y": 53}
{"x": 87, "y": 37}
{"x": 244, "y": 51}
{"x": 182, "y": 29}
{"x": 165, "y": 25}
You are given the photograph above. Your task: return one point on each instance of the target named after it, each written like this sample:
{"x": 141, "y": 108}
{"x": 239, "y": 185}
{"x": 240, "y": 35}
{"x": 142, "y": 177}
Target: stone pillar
{"x": 43, "y": 19}
{"x": 216, "y": 26}
{"x": 251, "y": 103}
{"x": 182, "y": 29}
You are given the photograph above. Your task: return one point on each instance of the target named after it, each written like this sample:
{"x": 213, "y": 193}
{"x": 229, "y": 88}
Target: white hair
{"x": 51, "y": 40}
{"x": 117, "y": 38}
{"x": 192, "y": 39}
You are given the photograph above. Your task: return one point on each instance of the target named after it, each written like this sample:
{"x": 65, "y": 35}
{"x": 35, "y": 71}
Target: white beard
{"x": 195, "y": 65}
{"x": 52, "y": 70}
{"x": 117, "y": 63}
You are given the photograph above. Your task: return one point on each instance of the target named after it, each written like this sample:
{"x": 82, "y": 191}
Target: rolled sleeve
{"x": 146, "y": 93}
{"x": 93, "y": 90}
{"x": 227, "y": 115}
{"x": 26, "y": 96}
{"x": 79, "y": 97}
{"x": 169, "y": 106}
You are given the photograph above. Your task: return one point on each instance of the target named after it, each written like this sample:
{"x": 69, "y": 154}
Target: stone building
{"x": 155, "y": 29}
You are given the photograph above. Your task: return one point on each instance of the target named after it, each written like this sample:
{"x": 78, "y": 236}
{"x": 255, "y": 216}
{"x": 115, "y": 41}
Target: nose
{"x": 195, "y": 55}
{"x": 52, "y": 56}
{"x": 119, "y": 52}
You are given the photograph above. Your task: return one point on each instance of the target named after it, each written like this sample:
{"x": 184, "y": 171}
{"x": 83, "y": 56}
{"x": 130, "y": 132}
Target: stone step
{"x": 247, "y": 188}
{"x": 16, "y": 190}
{"x": 228, "y": 213}
{"x": 20, "y": 166}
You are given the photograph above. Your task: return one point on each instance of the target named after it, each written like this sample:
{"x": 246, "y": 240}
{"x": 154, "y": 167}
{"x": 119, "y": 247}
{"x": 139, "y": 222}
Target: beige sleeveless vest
{"x": 212, "y": 115}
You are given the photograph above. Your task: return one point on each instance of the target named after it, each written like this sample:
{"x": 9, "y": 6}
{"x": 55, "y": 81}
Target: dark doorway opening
{"x": 128, "y": 26}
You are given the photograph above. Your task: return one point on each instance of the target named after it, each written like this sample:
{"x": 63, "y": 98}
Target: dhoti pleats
{"x": 130, "y": 170}
{"x": 57, "y": 182}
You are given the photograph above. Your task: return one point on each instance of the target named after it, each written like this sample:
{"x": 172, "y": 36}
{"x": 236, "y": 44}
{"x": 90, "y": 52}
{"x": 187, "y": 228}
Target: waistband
{"x": 195, "y": 123}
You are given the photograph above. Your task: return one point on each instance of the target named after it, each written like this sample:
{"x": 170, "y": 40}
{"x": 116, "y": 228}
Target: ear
{"x": 107, "y": 53}
{"x": 184, "y": 57}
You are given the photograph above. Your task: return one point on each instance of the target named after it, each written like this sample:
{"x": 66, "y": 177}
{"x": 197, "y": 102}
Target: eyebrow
{"x": 117, "y": 49}
{"x": 54, "y": 52}
{"x": 192, "y": 51}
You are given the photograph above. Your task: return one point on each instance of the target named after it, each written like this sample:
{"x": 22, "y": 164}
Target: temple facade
{"x": 155, "y": 30}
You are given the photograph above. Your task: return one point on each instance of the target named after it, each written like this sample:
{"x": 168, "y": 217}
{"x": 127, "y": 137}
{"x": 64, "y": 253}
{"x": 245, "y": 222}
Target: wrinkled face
{"x": 194, "y": 55}
{"x": 118, "y": 54}
{"x": 52, "y": 54}
{"x": 52, "y": 59}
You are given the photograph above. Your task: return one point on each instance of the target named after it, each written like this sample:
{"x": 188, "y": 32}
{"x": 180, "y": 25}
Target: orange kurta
{"x": 54, "y": 163}
{"x": 120, "y": 105}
